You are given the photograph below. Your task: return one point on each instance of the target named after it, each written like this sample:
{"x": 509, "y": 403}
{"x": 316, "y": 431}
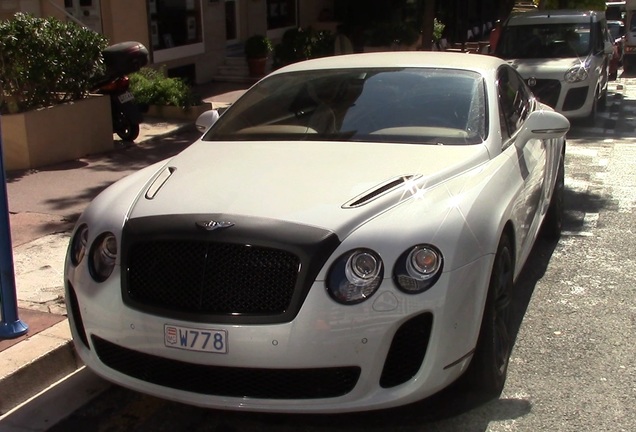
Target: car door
{"x": 516, "y": 102}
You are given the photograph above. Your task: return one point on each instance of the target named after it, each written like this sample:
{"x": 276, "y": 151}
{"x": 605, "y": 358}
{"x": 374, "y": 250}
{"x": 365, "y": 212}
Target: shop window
{"x": 281, "y": 13}
{"x": 174, "y": 23}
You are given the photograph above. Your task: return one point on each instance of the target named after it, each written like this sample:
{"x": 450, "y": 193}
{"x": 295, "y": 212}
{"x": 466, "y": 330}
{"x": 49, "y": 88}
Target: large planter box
{"x": 56, "y": 134}
{"x": 177, "y": 113}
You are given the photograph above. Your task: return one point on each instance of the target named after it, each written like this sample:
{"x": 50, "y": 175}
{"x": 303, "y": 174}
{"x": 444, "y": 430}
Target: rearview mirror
{"x": 543, "y": 124}
{"x": 207, "y": 119}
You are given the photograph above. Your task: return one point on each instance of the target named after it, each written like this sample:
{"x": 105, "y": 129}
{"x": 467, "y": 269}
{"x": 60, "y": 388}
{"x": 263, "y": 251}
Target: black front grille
{"x": 407, "y": 351}
{"x": 547, "y": 91}
{"x": 227, "y": 381}
{"x": 212, "y": 278}
{"x": 252, "y": 271}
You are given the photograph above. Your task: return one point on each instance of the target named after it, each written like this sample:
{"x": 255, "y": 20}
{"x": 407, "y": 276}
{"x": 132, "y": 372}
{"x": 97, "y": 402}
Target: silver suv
{"x": 563, "y": 55}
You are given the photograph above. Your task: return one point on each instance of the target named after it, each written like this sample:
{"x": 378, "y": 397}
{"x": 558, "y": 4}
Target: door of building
{"x": 231, "y": 21}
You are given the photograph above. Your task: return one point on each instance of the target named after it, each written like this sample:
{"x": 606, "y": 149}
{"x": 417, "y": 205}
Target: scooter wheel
{"x": 126, "y": 129}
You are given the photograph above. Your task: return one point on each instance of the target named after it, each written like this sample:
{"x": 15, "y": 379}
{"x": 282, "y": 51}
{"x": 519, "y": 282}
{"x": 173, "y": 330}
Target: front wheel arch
{"x": 487, "y": 371}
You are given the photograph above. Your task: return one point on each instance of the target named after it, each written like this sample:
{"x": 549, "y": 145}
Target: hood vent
{"x": 380, "y": 190}
{"x": 161, "y": 179}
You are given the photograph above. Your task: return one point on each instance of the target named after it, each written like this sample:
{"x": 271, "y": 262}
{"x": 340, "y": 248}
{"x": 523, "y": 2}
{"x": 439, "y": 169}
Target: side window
{"x": 514, "y": 100}
{"x": 603, "y": 35}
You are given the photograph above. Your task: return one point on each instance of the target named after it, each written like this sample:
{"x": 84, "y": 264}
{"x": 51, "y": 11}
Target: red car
{"x": 617, "y": 31}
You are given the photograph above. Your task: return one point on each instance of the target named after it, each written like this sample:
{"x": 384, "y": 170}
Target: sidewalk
{"x": 43, "y": 206}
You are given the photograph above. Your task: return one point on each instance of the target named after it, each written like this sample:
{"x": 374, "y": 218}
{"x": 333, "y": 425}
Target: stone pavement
{"x": 43, "y": 205}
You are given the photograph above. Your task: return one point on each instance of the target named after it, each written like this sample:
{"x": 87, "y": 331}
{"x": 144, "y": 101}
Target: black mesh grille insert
{"x": 547, "y": 91}
{"x": 407, "y": 351}
{"x": 227, "y": 381}
{"x": 211, "y": 278}
{"x": 575, "y": 98}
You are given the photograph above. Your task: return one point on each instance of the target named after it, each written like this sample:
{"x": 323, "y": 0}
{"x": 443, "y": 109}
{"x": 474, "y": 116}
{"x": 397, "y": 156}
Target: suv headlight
{"x": 355, "y": 276}
{"x": 576, "y": 74}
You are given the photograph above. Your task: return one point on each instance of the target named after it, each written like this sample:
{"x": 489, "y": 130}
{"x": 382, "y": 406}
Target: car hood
{"x": 332, "y": 185}
{"x": 543, "y": 67}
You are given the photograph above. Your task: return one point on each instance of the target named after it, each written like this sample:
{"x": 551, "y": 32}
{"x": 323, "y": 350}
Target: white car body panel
{"x": 555, "y": 69}
{"x": 325, "y": 176}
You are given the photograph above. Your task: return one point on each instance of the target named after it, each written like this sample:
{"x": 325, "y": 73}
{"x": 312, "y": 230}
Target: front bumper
{"x": 571, "y": 100}
{"x": 391, "y": 350}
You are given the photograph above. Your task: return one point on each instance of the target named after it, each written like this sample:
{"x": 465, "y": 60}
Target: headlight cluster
{"x": 576, "y": 74}
{"x": 101, "y": 255}
{"x": 357, "y": 275}
{"x": 418, "y": 269}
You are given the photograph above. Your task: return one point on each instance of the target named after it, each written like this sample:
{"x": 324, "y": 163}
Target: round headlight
{"x": 78, "y": 245}
{"x": 103, "y": 256}
{"x": 355, "y": 276}
{"x": 362, "y": 266}
{"x": 423, "y": 262}
{"x": 418, "y": 269}
{"x": 576, "y": 74}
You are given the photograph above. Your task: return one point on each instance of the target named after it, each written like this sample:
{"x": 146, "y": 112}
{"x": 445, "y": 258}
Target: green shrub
{"x": 300, "y": 44}
{"x": 438, "y": 29}
{"x": 257, "y": 46}
{"x": 153, "y": 87}
{"x": 45, "y": 61}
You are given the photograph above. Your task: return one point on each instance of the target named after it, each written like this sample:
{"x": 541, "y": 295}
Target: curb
{"x": 41, "y": 360}
{"x": 36, "y": 363}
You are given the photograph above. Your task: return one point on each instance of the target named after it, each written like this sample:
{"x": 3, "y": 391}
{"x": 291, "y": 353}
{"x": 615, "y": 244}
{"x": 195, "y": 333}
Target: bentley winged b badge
{"x": 212, "y": 225}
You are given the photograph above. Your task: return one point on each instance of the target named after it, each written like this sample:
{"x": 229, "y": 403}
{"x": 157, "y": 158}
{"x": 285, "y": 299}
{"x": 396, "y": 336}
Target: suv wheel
{"x": 602, "y": 101}
{"x": 592, "y": 115}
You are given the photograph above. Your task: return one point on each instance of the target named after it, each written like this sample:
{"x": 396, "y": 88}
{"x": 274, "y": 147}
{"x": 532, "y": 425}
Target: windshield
{"x": 616, "y": 29}
{"x": 405, "y": 105}
{"x": 545, "y": 41}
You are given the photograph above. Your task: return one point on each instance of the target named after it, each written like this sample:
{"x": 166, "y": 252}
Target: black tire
{"x": 553, "y": 222}
{"x": 126, "y": 128}
{"x": 602, "y": 101}
{"x": 486, "y": 374}
{"x": 592, "y": 115}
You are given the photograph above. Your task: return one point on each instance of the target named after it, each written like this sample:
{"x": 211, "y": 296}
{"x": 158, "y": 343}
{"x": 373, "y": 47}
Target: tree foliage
{"x": 571, "y": 4}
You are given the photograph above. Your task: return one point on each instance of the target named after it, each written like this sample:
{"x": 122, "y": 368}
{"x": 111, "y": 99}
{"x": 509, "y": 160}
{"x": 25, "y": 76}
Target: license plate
{"x": 126, "y": 97}
{"x": 195, "y": 339}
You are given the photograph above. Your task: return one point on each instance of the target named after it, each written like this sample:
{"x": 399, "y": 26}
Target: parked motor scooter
{"x": 120, "y": 60}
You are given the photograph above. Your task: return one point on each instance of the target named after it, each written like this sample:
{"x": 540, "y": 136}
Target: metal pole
{"x": 10, "y": 325}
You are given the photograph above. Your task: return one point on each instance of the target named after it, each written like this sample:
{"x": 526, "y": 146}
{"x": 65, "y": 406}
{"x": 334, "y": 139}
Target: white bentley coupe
{"x": 345, "y": 237}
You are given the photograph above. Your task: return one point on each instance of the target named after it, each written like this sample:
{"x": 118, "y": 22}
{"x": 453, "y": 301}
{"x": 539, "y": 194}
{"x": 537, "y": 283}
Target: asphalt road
{"x": 572, "y": 368}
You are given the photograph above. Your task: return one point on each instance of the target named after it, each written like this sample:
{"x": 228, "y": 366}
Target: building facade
{"x": 191, "y": 38}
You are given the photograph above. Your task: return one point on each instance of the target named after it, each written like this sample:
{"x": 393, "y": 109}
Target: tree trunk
{"x": 427, "y": 24}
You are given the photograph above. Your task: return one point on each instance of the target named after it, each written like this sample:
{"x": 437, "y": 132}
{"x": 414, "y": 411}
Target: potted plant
{"x": 161, "y": 96}
{"x": 257, "y": 49}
